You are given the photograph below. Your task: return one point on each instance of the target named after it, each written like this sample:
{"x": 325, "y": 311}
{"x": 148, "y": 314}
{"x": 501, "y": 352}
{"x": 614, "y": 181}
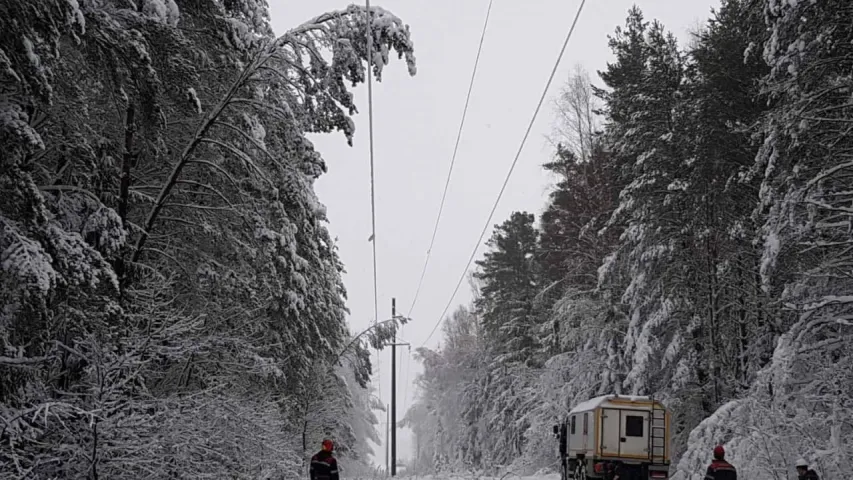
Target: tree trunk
{"x": 124, "y": 186}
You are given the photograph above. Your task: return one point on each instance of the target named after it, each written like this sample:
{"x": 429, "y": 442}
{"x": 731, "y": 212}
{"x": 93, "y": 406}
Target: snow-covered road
{"x": 474, "y": 476}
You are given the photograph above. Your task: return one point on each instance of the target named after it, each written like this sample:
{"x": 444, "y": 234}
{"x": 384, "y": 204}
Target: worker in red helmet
{"x": 720, "y": 469}
{"x": 323, "y": 464}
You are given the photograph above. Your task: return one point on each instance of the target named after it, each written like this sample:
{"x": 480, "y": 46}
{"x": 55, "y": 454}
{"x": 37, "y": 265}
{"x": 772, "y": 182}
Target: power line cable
{"x": 452, "y": 160}
{"x": 509, "y": 174}
{"x": 444, "y": 195}
{"x": 372, "y": 178}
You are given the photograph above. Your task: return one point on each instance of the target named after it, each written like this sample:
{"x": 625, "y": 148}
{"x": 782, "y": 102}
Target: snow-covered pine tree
{"x": 508, "y": 287}
{"x": 642, "y": 131}
{"x": 570, "y": 249}
{"x": 797, "y": 401}
{"x": 509, "y": 284}
{"x": 721, "y": 351}
{"x": 805, "y": 190}
{"x": 583, "y": 198}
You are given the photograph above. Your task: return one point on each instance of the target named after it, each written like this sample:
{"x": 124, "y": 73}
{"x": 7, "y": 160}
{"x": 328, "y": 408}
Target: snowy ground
{"x": 470, "y": 476}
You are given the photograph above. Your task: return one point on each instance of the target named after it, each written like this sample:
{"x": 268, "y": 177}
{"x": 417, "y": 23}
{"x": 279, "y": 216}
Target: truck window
{"x": 573, "y": 423}
{"x": 633, "y": 426}
{"x": 585, "y": 423}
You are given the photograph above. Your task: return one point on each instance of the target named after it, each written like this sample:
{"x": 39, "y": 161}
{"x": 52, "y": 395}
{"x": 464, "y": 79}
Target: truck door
{"x": 634, "y": 433}
{"x": 610, "y": 427}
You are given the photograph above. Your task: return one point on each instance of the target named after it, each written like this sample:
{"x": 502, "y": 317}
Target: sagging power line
{"x": 452, "y": 160}
{"x": 509, "y": 173}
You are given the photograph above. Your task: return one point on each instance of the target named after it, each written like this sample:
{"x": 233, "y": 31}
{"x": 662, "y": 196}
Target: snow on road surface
{"x": 475, "y": 476}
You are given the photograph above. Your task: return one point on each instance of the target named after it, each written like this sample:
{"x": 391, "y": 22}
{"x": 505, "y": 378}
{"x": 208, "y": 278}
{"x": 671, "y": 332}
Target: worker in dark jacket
{"x": 720, "y": 469}
{"x": 323, "y": 464}
{"x": 803, "y": 471}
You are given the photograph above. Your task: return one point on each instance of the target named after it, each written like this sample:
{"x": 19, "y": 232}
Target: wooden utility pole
{"x": 393, "y": 422}
{"x": 394, "y": 394}
{"x": 387, "y": 429}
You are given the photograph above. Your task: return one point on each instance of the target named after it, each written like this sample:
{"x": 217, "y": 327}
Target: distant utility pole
{"x": 387, "y": 429}
{"x": 393, "y": 422}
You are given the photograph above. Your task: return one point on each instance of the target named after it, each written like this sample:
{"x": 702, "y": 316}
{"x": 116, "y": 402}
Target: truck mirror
{"x": 556, "y": 430}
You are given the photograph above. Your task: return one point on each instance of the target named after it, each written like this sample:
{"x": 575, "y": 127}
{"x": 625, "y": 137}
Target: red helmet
{"x": 719, "y": 451}
{"x": 328, "y": 445}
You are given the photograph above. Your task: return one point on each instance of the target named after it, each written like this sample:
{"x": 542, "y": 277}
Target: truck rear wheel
{"x": 580, "y": 471}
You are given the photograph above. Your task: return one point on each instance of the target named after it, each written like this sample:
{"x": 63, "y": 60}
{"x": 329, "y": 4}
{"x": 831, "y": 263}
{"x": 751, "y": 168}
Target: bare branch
{"x": 21, "y": 361}
{"x": 69, "y": 188}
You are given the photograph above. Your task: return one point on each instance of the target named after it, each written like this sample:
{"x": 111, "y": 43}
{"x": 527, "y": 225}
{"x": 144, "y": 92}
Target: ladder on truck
{"x": 657, "y": 435}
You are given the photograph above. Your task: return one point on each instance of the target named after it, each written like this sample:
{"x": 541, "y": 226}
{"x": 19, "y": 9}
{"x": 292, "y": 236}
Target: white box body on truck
{"x": 615, "y": 433}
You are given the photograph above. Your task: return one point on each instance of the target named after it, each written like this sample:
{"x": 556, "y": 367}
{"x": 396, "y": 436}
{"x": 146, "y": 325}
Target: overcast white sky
{"x": 415, "y": 125}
